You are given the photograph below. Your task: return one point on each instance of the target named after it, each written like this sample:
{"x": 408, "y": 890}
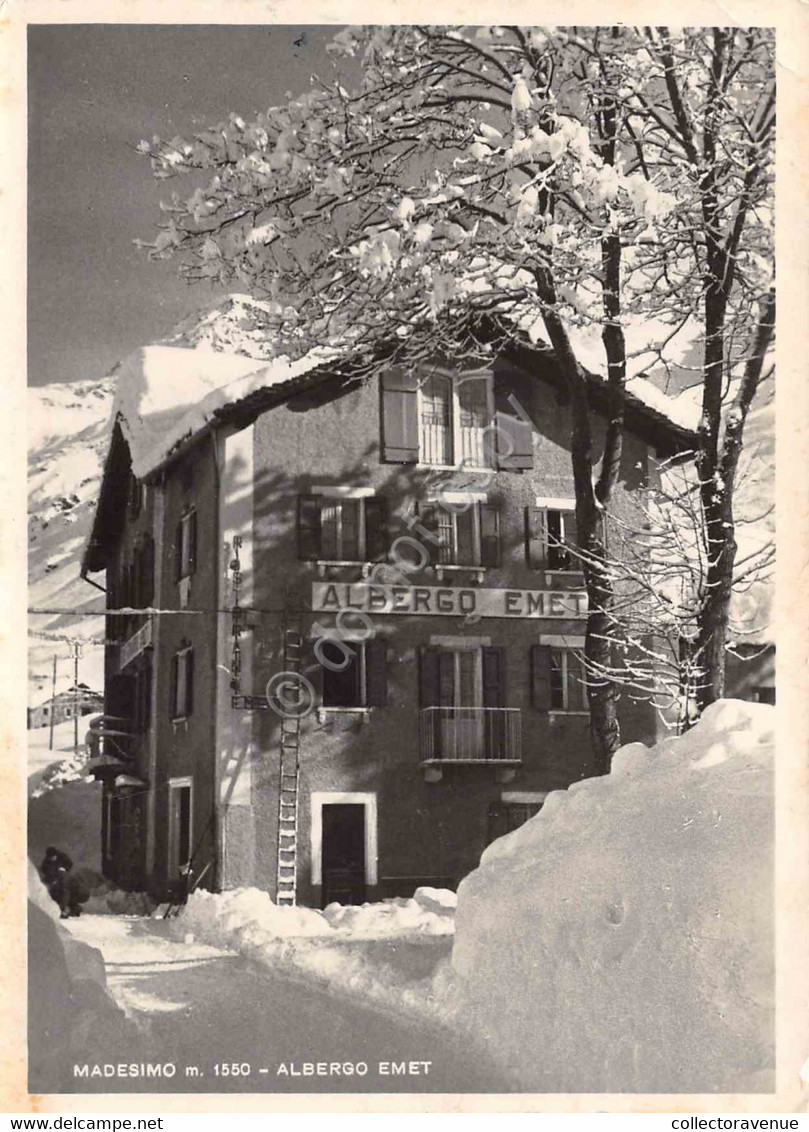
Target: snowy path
{"x": 198, "y": 1006}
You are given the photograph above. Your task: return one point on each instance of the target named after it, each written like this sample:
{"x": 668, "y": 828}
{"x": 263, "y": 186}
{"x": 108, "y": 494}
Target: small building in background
{"x": 81, "y": 700}
{"x": 750, "y": 672}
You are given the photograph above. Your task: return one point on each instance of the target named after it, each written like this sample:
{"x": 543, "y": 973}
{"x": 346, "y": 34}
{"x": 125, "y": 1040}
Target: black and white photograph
{"x": 401, "y": 543}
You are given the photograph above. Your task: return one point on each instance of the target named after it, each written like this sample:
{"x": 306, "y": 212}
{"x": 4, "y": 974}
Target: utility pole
{"x": 53, "y": 702}
{"x": 76, "y": 647}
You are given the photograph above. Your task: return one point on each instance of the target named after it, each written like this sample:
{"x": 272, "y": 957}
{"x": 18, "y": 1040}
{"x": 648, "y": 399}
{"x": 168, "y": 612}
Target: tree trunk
{"x": 604, "y": 728}
{"x": 605, "y": 731}
{"x": 714, "y": 614}
{"x": 717, "y": 501}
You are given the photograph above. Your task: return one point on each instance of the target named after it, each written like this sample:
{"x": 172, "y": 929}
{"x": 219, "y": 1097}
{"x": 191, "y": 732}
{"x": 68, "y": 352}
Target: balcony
{"x": 134, "y": 645}
{"x": 111, "y": 737}
{"x": 470, "y": 736}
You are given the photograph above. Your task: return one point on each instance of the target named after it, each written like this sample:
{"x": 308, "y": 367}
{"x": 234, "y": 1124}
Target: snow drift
{"x": 70, "y": 1014}
{"x": 622, "y": 939}
{"x": 393, "y": 953}
{"x": 245, "y": 914}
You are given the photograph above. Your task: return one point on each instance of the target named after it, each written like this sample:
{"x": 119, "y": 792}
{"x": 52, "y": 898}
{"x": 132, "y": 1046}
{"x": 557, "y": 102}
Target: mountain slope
{"x": 69, "y": 426}
{"x": 68, "y": 434}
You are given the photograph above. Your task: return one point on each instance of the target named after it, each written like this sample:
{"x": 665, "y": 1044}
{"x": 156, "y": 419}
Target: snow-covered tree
{"x": 658, "y": 562}
{"x": 532, "y": 181}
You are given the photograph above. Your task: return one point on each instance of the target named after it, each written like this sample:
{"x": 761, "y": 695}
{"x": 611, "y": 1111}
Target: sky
{"x": 94, "y": 92}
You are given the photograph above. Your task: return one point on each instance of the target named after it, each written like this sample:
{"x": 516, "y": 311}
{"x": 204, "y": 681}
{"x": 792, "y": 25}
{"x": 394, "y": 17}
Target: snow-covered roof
{"x": 169, "y": 392}
{"x": 652, "y": 346}
{"x": 166, "y": 394}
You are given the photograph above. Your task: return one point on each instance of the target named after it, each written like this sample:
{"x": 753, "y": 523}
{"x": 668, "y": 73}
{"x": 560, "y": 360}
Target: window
{"x": 459, "y": 689}
{"x": 467, "y": 535}
{"x": 186, "y": 545}
{"x": 358, "y": 680}
{"x": 454, "y": 415}
{"x": 551, "y": 538}
{"x": 512, "y": 811}
{"x": 334, "y": 528}
{"x": 559, "y": 676}
{"x": 445, "y": 420}
{"x": 568, "y": 681}
{"x": 470, "y": 675}
{"x": 182, "y": 683}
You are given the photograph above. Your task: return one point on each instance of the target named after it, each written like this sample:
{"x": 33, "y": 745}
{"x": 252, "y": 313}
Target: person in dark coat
{"x": 68, "y": 892}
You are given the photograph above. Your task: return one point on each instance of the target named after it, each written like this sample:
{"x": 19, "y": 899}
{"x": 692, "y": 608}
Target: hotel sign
{"x": 444, "y": 601}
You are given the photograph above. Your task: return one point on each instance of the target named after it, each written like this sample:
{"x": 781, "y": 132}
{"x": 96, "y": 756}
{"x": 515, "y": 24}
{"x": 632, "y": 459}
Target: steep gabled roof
{"x": 169, "y": 395}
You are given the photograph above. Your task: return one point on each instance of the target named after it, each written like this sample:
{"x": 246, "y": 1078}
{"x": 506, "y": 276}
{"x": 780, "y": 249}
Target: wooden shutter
{"x": 541, "y": 677}
{"x": 189, "y": 683}
{"x": 175, "y": 666}
{"x": 494, "y": 677}
{"x": 399, "y": 413}
{"x": 428, "y": 517}
{"x": 514, "y": 437}
{"x": 178, "y": 551}
{"x": 489, "y": 534}
{"x": 309, "y": 534}
{"x": 376, "y": 529}
{"x": 192, "y": 542}
{"x": 376, "y": 673}
{"x": 429, "y": 685}
{"x": 536, "y": 538}
{"x": 571, "y": 537}
{"x": 494, "y": 696}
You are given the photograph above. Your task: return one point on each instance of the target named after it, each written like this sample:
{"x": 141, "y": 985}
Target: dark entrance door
{"x": 343, "y": 853}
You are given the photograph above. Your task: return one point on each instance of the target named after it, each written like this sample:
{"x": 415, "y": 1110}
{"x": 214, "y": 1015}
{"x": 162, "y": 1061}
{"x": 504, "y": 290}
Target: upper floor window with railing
{"x": 444, "y": 419}
{"x": 455, "y": 419}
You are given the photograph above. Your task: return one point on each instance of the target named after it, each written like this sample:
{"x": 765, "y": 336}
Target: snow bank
{"x": 386, "y": 953}
{"x": 622, "y": 939}
{"x": 243, "y": 915}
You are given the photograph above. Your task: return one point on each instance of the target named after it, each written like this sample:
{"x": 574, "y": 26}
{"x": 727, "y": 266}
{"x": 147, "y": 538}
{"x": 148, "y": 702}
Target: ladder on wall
{"x": 288, "y": 776}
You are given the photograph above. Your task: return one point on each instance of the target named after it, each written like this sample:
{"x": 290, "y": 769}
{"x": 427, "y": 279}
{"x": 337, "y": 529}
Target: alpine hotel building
{"x": 428, "y": 726}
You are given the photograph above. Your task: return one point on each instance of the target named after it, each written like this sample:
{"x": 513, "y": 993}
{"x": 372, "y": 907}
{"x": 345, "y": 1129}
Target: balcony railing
{"x": 437, "y": 443}
{"x": 470, "y": 735}
{"x": 133, "y": 646}
{"x": 111, "y": 736}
